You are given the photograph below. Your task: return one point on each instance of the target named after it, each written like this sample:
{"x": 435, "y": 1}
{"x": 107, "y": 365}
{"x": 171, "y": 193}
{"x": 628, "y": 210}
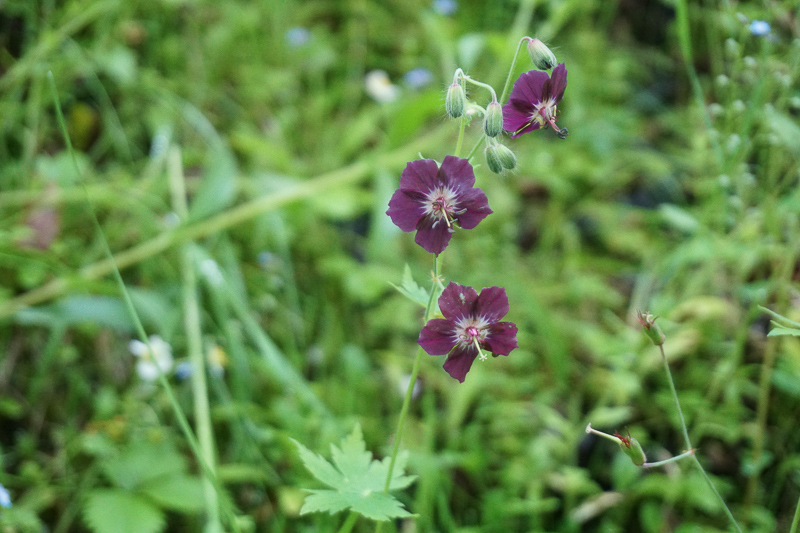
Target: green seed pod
{"x": 631, "y": 447}
{"x": 493, "y": 158}
{"x": 507, "y": 158}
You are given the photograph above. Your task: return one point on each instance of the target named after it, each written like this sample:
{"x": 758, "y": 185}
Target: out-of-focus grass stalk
{"x": 176, "y": 408}
{"x": 796, "y": 520}
{"x": 688, "y": 442}
{"x": 194, "y": 341}
{"x": 342, "y": 177}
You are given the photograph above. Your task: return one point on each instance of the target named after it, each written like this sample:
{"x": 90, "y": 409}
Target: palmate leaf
{"x": 410, "y": 289}
{"x": 356, "y": 480}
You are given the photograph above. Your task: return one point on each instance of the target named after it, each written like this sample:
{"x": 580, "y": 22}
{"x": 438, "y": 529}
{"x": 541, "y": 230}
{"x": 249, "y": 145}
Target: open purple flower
{"x": 470, "y": 325}
{"x": 533, "y": 101}
{"x": 434, "y": 201}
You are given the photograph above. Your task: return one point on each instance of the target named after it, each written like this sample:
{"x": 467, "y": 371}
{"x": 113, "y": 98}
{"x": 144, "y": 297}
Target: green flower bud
{"x": 541, "y": 55}
{"x": 507, "y": 158}
{"x": 650, "y": 328}
{"x": 455, "y": 101}
{"x": 493, "y": 120}
{"x": 493, "y": 159}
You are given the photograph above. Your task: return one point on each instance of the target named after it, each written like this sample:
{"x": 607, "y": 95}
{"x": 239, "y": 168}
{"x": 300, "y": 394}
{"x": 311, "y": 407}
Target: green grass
{"x": 675, "y": 192}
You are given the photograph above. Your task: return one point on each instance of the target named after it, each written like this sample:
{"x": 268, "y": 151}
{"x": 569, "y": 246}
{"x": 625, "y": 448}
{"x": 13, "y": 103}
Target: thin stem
{"x": 675, "y": 397}
{"x": 191, "y": 308}
{"x": 480, "y": 84}
{"x": 139, "y": 327}
{"x": 462, "y": 125}
{"x": 670, "y": 460}
{"x": 511, "y": 70}
{"x": 688, "y": 442}
{"x": 352, "y": 518}
{"x": 410, "y": 390}
{"x": 475, "y": 148}
{"x": 796, "y": 520}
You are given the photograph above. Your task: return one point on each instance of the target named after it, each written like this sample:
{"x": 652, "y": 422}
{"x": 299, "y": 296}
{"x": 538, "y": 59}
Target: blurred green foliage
{"x": 676, "y": 192}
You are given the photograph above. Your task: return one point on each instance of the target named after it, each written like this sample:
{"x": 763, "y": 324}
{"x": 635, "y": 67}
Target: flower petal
{"x": 477, "y": 208}
{"x": 558, "y": 82}
{"x": 406, "y": 208}
{"x": 457, "y": 301}
{"x": 492, "y": 304}
{"x": 433, "y": 239}
{"x": 420, "y": 176}
{"x": 438, "y": 336}
{"x": 460, "y": 361}
{"x": 528, "y": 86}
{"x": 456, "y": 173}
{"x": 502, "y": 338}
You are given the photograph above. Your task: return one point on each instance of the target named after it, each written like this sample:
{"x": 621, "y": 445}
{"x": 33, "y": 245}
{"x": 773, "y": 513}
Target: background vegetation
{"x": 676, "y": 192}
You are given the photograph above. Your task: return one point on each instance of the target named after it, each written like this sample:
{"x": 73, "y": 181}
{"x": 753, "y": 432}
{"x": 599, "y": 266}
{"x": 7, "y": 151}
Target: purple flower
{"x": 470, "y": 325}
{"x": 533, "y": 101}
{"x": 434, "y": 201}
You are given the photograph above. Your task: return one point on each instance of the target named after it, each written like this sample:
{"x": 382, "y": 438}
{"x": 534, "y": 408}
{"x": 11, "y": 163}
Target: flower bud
{"x": 541, "y": 55}
{"x": 493, "y": 159}
{"x": 455, "y": 101}
{"x": 493, "y": 120}
{"x": 507, "y": 158}
{"x": 650, "y": 328}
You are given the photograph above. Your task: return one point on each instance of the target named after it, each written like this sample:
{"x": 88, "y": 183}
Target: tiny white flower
{"x": 380, "y": 88}
{"x": 161, "y": 356}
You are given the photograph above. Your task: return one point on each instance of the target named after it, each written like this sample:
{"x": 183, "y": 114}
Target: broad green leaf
{"x": 410, "y": 289}
{"x": 177, "y": 492}
{"x": 143, "y": 463}
{"x": 357, "y": 480}
{"x": 118, "y": 511}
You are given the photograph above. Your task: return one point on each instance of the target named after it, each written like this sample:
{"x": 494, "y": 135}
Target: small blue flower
{"x": 418, "y": 78}
{"x": 183, "y": 370}
{"x": 297, "y": 36}
{"x": 760, "y": 28}
{"x": 5, "y": 497}
{"x": 445, "y": 7}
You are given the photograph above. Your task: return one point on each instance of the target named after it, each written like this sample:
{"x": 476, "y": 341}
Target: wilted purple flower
{"x": 470, "y": 325}
{"x": 533, "y": 101}
{"x": 434, "y": 201}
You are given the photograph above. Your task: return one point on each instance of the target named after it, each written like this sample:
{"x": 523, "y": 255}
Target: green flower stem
{"x": 796, "y": 520}
{"x": 475, "y": 148}
{"x": 194, "y": 338}
{"x": 410, "y": 390}
{"x": 176, "y": 408}
{"x": 352, "y": 518}
{"x": 670, "y": 460}
{"x": 689, "y": 443}
{"x": 336, "y": 179}
{"x": 480, "y": 84}
{"x": 511, "y": 70}
{"x": 462, "y": 125}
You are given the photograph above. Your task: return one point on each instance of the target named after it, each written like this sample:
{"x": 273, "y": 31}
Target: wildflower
{"x": 533, "y": 102}
{"x": 471, "y": 324}
{"x": 184, "y": 370}
{"x": 435, "y": 200}
{"x": 380, "y": 88}
{"x": 418, "y": 78}
{"x": 161, "y": 356}
{"x": 445, "y": 7}
{"x": 760, "y": 28}
{"x": 5, "y": 497}
{"x": 297, "y": 36}
{"x": 541, "y": 55}
{"x": 629, "y": 445}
